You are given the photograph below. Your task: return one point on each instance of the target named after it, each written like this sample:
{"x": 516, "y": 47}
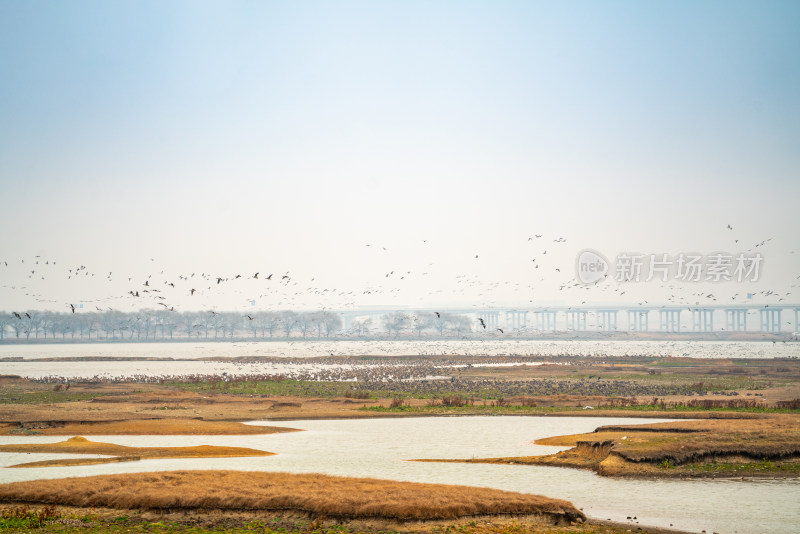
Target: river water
{"x": 379, "y": 448}
{"x": 185, "y": 355}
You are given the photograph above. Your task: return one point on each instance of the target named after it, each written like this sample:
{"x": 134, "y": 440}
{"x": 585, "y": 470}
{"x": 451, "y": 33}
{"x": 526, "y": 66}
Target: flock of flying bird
{"x": 285, "y": 291}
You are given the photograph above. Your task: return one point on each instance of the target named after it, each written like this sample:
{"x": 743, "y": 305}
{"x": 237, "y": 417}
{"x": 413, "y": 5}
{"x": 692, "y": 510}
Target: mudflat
{"x": 122, "y": 453}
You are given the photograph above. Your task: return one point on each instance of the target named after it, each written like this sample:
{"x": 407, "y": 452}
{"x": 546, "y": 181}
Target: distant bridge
{"x": 667, "y": 318}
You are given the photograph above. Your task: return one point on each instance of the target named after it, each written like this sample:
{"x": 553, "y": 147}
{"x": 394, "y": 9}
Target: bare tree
{"x": 5, "y": 322}
{"x": 462, "y": 324}
{"x": 288, "y": 322}
{"x": 422, "y": 321}
{"x": 271, "y": 322}
{"x": 395, "y": 322}
{"x": 361, "y": 327}
{"x": 304, "y": 322}
{"x": 332, "y": 322}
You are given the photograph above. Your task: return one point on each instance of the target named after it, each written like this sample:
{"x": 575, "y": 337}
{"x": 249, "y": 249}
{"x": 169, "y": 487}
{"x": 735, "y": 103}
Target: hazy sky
{"x": 232, "y": 138}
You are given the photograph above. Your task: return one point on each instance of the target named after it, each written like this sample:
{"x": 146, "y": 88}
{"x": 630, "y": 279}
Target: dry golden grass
{"x": 145, "y": 427}
{"x": 319, "y": 495}
{"x": 770, "y": 443}
{"x": 196, "y": 521}
{"x": 80, "y": 445}
{"x": 776, "y": 437}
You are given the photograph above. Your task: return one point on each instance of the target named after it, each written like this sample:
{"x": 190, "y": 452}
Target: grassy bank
{"x": 516, "y": 406}
{"x": 763, "y": 447}
{"x": 71, "y": 520}
{"x": 142, "y": 427}
{"x": 121, "y": 453}
{"x": 314, "y": 494}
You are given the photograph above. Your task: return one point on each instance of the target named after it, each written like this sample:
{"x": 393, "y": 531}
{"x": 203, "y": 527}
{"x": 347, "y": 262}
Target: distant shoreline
{"x": 782, "y": 337}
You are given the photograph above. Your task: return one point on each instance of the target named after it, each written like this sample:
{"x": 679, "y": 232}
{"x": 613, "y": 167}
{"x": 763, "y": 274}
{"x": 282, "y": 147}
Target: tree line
{"x": 148, "y": 324}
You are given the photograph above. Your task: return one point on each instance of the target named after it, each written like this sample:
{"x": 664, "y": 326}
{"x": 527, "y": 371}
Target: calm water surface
{"x": 379, "y": 447}
{"x": 184, "y": 354}
{"x": 384, "y": 347}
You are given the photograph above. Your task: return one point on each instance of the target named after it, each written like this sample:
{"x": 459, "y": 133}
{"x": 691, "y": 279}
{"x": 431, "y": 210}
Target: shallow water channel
{"x": 378, "y": 447}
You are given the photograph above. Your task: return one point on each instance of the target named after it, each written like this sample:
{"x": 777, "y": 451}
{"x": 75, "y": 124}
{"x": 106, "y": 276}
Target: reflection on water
{"x": 378, "y": 448}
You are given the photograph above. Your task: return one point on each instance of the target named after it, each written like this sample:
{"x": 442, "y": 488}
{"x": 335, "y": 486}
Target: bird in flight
{"x": 192, "y": 292}
{"x": 482, "y": 323}
{"x": 249, "y": 317}
{"x": 72, "y": 306}
{"x": 18, "y": 316}
{"x": 439, "y": 315}
{"x": 501, "y": 330}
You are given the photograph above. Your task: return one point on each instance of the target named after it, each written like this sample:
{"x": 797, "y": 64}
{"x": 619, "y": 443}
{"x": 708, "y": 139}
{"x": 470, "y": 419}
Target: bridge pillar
{"x": 638, "y": 320}
{"x": 546, "y": 320}
{"x": 670, "y": 320}
{"x": 607, "y": 319}
{"x": 736, "y": 320}
{"x": 516, "y": 319}
{"x": 770, "y": 320}
{"x": 576, "y": 320}
{"x": 490, "y": 318}
{"x": 702, "y": 320}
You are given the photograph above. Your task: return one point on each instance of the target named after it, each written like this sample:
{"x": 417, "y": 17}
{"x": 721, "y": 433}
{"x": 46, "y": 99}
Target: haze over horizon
{"x": 394, "y": 154}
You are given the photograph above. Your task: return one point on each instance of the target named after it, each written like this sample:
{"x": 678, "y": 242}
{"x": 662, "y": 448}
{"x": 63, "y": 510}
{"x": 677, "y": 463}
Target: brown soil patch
{"x": 80, "y": 445}
{"x": 321, "y": 495}
{"x": 144, "y": 427}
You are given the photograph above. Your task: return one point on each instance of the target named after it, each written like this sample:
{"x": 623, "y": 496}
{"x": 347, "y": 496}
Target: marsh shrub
{"x": 793, "y": 404}
{"x": 454, "y": 401}
{"x": 397, "y": 402}
{"x": 23, "y": 517}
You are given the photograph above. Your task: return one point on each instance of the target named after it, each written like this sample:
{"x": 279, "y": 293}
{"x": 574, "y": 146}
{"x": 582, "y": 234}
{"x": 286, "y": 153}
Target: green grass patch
{"x": 305, "y": 388}
{"x": 297, "y": 388}
{"x": 12, "y": 396}
{"x": 23, "y": 517}
{"x": 764, "y": 466}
